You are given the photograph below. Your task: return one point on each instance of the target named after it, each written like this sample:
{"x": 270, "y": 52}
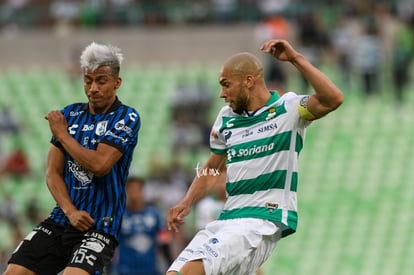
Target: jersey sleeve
{"x": 122, "y": 132}
{"x": 54, "y": 140}
{"x": 295, "y": 106}
{"x": 217, "y": 138}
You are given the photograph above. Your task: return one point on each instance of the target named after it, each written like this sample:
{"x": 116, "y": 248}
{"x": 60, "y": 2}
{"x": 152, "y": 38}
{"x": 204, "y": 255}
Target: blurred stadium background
{"x": 355, "y": 193}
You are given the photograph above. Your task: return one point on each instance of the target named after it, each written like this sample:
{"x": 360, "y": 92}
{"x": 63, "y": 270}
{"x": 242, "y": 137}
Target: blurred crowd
{"x": 103, "y": 13}
{"x": 99, "y": 13}
{"x": 362, "y": 38}
{"x": 131, "y": 12}
{"x": 14, "y": 166}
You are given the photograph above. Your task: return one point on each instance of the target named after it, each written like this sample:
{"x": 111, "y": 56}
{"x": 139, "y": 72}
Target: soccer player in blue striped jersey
{"x": 256, "y": 140}
{"x": 88, "y": 163}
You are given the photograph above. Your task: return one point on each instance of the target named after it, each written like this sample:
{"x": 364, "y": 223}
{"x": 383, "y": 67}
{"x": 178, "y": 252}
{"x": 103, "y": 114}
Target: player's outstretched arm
{"x": 327, "y": 96}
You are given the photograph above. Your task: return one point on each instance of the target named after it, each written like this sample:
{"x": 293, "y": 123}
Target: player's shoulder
{"x": 290, "y": 96}
{"x": 128, "y": 109}
{"x": 291, "y": 99}
{"x": 226, "y": 111}
{"x": 296, "y": 104}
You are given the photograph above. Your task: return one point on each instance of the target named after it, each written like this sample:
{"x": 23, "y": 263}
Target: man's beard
{"x": 241, "y": 104}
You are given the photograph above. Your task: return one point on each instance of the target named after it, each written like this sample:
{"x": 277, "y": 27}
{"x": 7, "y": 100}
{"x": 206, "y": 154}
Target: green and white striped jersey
{"x": 262, "y": 160}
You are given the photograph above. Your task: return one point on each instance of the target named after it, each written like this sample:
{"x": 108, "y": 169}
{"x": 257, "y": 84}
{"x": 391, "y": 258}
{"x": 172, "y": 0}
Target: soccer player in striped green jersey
{"x": 256, "y": 140}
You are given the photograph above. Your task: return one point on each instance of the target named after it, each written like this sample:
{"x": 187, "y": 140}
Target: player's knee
{"x": 13, "y": 269}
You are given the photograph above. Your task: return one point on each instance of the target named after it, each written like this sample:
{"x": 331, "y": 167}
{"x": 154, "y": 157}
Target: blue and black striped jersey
{"x": 102, "y": 197}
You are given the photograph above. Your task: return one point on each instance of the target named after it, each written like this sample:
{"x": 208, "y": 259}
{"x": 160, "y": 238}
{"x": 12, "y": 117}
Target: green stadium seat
{"x": 355, "y": 191}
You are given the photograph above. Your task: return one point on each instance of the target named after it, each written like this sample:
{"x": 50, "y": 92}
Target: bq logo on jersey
{"x": 101, "y": 127}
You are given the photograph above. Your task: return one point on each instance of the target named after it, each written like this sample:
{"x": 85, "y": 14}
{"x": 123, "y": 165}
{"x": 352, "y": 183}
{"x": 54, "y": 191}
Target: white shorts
{"x": 236, "y": 246}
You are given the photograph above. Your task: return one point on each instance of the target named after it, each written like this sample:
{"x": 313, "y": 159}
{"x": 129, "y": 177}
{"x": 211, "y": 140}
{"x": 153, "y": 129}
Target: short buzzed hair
{"x": 96, "y": 55}
{"x": 244, "y": 63}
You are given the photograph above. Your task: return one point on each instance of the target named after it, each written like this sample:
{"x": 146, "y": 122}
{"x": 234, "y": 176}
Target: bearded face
{"x": 240, "y": 103}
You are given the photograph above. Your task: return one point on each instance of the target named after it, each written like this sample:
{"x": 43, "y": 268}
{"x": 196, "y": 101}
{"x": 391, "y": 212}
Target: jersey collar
{"x": 274, "y": 97}
{"x": 117, "y": 103}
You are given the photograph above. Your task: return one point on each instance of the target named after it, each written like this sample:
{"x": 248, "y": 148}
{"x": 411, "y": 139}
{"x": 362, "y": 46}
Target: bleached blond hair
{"x": 96, "y": 55}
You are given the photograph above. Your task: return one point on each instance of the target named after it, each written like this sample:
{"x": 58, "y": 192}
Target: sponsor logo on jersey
{"x": 72, "y": 113}
{"x": 230, "y": 123}
{"x": 45, "y": 230}
{"x": 110, "y": 133}
{"x": 80, "y": 173}
{"x": 213, "y": 240}
{"x": 227, "y": 134}
{"x": 247, "y": 133}
{"x": 86, "y": 128}
{"x": 72, "y": 129}
{"x": 99, "y": 236}
{"x": 132, "y": 116}
{"x": 93, "y": 244}
{"x": 246, "y": 152}
{"x": 120, "y": 126}
{"x": 267, "y": 128}
{"x": 211, "y": 251}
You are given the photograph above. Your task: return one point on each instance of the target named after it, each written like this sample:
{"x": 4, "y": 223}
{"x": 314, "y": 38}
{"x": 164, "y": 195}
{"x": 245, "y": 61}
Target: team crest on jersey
{"x": 271, "y": 114}
{"x": 101, "y": 127}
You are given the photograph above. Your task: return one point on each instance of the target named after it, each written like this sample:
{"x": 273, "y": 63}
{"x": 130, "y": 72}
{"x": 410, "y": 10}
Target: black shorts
{"x": 49, "y": 248}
